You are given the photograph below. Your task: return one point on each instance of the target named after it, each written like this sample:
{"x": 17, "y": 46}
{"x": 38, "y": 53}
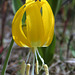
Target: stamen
{"x": 41, "y": 60}
{"x": 46, "y": 69}
{"x": 33, "y": 65}
{"x": 37, "y": 71}
{"x": 36, "y": 55}
{"x": 27, "y": 69}
{"x": 40, "y": 57}
{"x": 28, "y": 56}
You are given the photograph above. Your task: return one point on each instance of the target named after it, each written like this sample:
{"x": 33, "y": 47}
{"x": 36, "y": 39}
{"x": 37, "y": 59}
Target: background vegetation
{"x": 60, "y": 55}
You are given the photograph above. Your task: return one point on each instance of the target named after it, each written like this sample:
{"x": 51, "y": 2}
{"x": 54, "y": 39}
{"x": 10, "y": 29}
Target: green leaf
{"x": 16, "y": 4}
{"x": 55, "y": 5}
{"x": 48, "y": 52}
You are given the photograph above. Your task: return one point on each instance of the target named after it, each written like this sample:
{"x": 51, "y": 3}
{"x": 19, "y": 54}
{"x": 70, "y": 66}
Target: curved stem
{"x": 7, "y": 58}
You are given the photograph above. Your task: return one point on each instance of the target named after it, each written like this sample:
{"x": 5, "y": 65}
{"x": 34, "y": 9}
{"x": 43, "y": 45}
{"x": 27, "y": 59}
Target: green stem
{"x": 7, "y": 57}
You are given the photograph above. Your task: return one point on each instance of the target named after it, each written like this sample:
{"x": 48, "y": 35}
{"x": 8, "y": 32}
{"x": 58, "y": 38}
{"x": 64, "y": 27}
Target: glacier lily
{"x": 38, "y": 30}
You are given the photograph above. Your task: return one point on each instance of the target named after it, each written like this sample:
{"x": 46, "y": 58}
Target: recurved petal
{"x": 34, "y": 23}
{"x": 17, "y": 32}
{"x": 48, "y": 21}
{"x": 51, "y": 33}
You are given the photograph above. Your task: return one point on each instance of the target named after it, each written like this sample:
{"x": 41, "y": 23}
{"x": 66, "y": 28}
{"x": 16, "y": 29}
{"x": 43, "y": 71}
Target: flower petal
{"x": 29, "y": 0}
{"x": 34, "y": 24}
{"x": 17, "y": 32}
{"x": 51, "y": 34}
{"x": 48, "y": 21}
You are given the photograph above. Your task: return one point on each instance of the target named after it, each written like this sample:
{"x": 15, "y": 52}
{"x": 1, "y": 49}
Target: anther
{"x": 46, "y": 69}
{"x": 37, "y": 71}
{"x": 27, "y": 69}
{"x": 23, "y": 66}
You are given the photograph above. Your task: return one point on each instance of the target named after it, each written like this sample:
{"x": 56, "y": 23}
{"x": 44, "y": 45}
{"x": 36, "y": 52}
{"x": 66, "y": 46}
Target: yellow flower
{"x": 39, "y": 29}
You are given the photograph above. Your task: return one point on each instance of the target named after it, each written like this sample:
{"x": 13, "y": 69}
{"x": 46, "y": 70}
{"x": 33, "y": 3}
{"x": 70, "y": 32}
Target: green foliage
{"x": 16, "y": 4}
{"x": 55, "y": 4}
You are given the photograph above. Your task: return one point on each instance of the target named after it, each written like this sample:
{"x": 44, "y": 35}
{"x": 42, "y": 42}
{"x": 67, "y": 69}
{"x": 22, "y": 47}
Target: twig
{"x": 4, "y": 10}
{"x": 70, "y": 61}
{"x": 65, "y": 26}
{"x": 55, "y": 64}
